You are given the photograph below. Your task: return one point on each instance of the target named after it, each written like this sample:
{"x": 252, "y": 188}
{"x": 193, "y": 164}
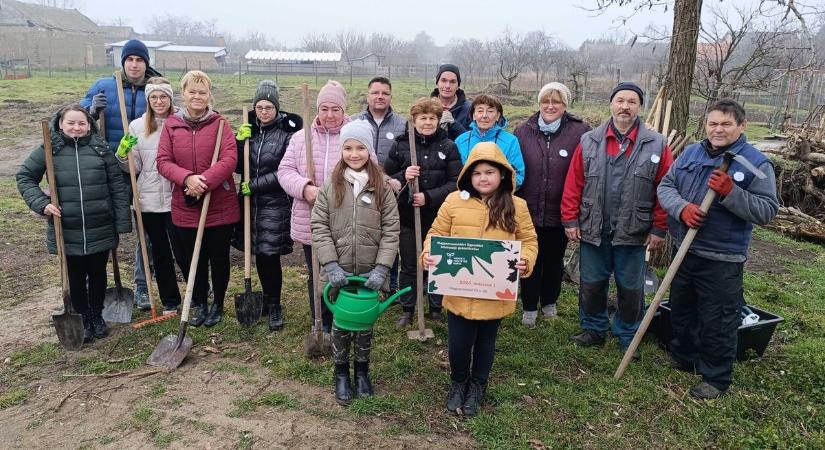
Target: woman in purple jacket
{"x": 548, "y": 139}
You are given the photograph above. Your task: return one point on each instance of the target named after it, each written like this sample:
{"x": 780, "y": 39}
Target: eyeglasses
{"x": 264, "y": 108}
{"x": 159, "y": 98}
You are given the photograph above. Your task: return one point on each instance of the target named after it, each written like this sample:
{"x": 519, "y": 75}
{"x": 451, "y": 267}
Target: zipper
{"x": 257, "y": 171}
{"x": 134, "y": 100}
{"x": 355, "y": 235}
{"x": 326, "y": 159}
{"x": 194, "y": 158}
{"x": 80, "y": 186}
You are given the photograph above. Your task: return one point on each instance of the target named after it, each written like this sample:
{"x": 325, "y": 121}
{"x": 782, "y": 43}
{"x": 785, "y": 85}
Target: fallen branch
{"x": 63, "y": 400}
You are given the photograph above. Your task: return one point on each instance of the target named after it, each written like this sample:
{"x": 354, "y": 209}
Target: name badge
{"x": 739, "y": 176}
{"x": 563, "y": 153}
{"x": 366, "y": 200}
{"x": 390, "y": 136}
{"x": 442, "y": 155}
{"x": 655, "y": 159}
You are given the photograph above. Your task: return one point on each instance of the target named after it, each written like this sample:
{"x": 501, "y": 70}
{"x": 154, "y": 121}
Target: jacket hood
{"x": 499, "y": 125}
{"x": 488, "y": 152}
{"x": 92, "y": 139}
{"x": 286, "y": 121}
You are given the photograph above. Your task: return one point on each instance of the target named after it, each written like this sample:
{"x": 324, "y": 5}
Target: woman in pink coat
{"x": 326, "y": 152}
{"x": 187, "y": 143}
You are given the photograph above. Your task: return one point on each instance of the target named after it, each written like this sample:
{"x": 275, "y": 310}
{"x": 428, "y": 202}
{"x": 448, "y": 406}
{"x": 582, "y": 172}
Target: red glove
{"x": 720, "y": 182}
{"x": 692, "y": 216}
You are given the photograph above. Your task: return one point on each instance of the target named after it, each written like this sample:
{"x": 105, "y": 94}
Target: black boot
{"x": 276, "y": 318}
{"x": 473, "y": 399}
{"x": 455, "y": 396}
{"x": 88, "y": 329}
{"x": 343, "y": 385}
{"x": 99, "y": 327}
{"x": 215, "y": 315}
{"x": 362, "y": 379}
{"x": 198, "y": 315}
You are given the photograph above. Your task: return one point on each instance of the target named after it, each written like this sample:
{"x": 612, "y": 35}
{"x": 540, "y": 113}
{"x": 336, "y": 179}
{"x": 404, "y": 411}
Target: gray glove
{"x": 335, "y": 274}
{"x": 376, "y": 277}
{"x": 98, "y": 104}
{"x": 446, "y": 121}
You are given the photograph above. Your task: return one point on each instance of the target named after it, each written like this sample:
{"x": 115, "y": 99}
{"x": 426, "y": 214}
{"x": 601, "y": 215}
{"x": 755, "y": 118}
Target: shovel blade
{"x": 421, "y": 335}
{"x": 651, "y": 281}
{"x": 248, "y": 307}
{"x": 170, "y": 353}
{"x": 118, "y": 305}
{"x": 69, "y": 327}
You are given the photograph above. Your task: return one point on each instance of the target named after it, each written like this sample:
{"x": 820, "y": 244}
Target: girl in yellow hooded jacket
{"x": 484, "y": 207}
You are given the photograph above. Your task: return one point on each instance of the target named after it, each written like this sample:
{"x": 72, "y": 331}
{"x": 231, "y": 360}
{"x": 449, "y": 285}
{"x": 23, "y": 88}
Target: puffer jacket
{"x": 546, "y": 160}
{"x": 270, "y": 205}
{"x": 155, "y": 191}
{"x": 505, "y": 140}
{"x": 470, "y": 218}
{"x": 93, "y": 198}
{"x": 392, "y": 126}
{"x": 326, "y": 152}
{"x": 133, "y": 96}
{"x": 440, "y": 165}
{"x": 186, "y": 150}
{"x": 356, "y": 235}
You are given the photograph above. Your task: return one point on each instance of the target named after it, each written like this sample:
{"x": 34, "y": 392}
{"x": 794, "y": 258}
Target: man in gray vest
{"x": 706, "y": 295}
{"x": 386, "y": 126}
{"x": 609, "y": 205}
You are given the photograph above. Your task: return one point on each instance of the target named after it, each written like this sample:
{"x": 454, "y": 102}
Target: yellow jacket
{"x": 469, "y": 218}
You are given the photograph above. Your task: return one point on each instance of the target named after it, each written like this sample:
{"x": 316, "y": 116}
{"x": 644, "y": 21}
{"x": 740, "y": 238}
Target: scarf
{"x": 194, "y": 121}
{"x": 549, "y": 128}
{"x": 358, "y": 179}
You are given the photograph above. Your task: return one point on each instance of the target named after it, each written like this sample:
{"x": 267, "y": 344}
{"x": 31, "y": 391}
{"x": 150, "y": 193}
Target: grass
{"x": 543, "y": 389}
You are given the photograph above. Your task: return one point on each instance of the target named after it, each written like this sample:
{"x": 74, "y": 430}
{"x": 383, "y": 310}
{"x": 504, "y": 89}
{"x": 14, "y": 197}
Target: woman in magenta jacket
{"x": 187, "y": 143}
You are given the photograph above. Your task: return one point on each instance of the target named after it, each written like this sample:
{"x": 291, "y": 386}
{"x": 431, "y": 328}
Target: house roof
{"x": 148, "y": 44}
{"x": 217, "y": 51}
{"x": 14, "y": 13}
{"x": 268, "y": 55}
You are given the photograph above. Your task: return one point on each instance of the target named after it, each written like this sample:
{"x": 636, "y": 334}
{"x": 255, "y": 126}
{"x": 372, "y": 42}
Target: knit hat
{"x": 334, "y": 93}
{"x": 563, "y": 91}
{"x": 361, "y": 131}
{"x": 134, "y": 47}
{"x": 629, "y": 86}
{"x": 267, "y": 90}
{"x": 448, "y": 68}
{"x": 166, "y": 88}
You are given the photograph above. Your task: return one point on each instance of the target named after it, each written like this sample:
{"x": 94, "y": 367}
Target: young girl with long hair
{"x": 355, "y": 231}
{"x": 485, "y": 208}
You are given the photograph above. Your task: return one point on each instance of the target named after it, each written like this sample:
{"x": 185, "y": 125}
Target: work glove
{"x": 126, "y": 143}
{"x": 244, "y": 132}
{"x": 446, "y": 121}
{"x": 245, "y": 190}
{"x": 376, "y": 277}
{"x": 720, "y": 182}
{"x": 692, "y": 216}
{"x": 335, "y": 274}
{"x": 98, "y": 104}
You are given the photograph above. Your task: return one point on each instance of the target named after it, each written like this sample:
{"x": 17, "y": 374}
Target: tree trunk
{"x": 682, "y": 59}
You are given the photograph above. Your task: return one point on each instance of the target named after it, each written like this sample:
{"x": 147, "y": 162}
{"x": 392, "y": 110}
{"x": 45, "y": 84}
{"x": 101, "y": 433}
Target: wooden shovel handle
{"x": 419, "y": 272}
{"x": 310, "y": 173}
{"x": 58, "y": 224}
{"x": 247, "y": 210}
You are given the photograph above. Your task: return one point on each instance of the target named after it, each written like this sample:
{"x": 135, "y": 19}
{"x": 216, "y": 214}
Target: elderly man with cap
{"x": 457, "y": 109}
{"x": 609, "y": 205}
{"x": 706, "y": 295}
{"x": 102, "y": 98}
{"x": 268, "y": 130}
{"x": 548, "y": 139}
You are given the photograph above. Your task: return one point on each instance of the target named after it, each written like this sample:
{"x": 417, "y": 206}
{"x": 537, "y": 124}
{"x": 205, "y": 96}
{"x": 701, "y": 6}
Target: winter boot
{"x": 215, "y": 314}
{"x": 455, "y": 396}
{"x": 363, "y": 384}
{"x": 99, "y": 327}
{"x": 88, "y": 329}
{"x": 473, "y": 399}
{"x": 549, "y": 311}
{"x": 436, "y": 315}
{"x": 528, "y": 318}
{"x": 198, "y": 315}
{"x": 276, "y": 318}
{"x": 589, "y": 338}
{"x": 343, "y": 385}
{"x": 405, "y": 320}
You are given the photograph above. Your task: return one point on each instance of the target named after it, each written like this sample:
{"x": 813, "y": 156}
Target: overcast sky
{"x": 444, "y": 20}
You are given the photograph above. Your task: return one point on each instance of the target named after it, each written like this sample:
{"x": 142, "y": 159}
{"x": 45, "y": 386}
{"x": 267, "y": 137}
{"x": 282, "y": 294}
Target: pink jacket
{"x": 326, "y": 152}
{"x": 183, "y": 151}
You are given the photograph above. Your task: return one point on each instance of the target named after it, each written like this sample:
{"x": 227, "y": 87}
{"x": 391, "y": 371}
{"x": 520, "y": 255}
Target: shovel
{"x": 710, "y": 196}
{"x": 422, "y": 333}
{"x": 316, "y": 344}
{"x": 651, "y": 280}
{"x": 68, "y": 324}
{"x": 248, "y": 306}
{"x": 172, "y": 349}
{"x": 118, "y": 303}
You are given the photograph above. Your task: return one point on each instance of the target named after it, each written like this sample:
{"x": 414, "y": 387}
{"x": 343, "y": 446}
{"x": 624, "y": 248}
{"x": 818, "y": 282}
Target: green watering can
{"x": 357, "y": 307}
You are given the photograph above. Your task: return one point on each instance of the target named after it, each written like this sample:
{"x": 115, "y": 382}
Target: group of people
{"x": 616, "y": 190}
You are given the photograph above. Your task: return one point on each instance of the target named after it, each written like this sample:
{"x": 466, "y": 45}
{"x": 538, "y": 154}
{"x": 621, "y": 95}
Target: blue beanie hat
{"x": 134, "y": 47}
{"x": 629, "y": 86}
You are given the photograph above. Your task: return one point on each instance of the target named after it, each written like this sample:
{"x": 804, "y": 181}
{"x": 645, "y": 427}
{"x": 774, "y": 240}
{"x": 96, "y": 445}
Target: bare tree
{"x": 470, "y": 55}
{"x": 511, "y": 53}
{"x": 541, "y": 48}
{"x": 314, "y": 42}
{"x": 383, "y": 45}
{"x": 351, "y": 43}
{"x": 173, "y": 26}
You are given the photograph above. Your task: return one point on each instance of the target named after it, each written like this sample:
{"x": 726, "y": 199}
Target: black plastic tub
{"x": 753, "y": 339}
